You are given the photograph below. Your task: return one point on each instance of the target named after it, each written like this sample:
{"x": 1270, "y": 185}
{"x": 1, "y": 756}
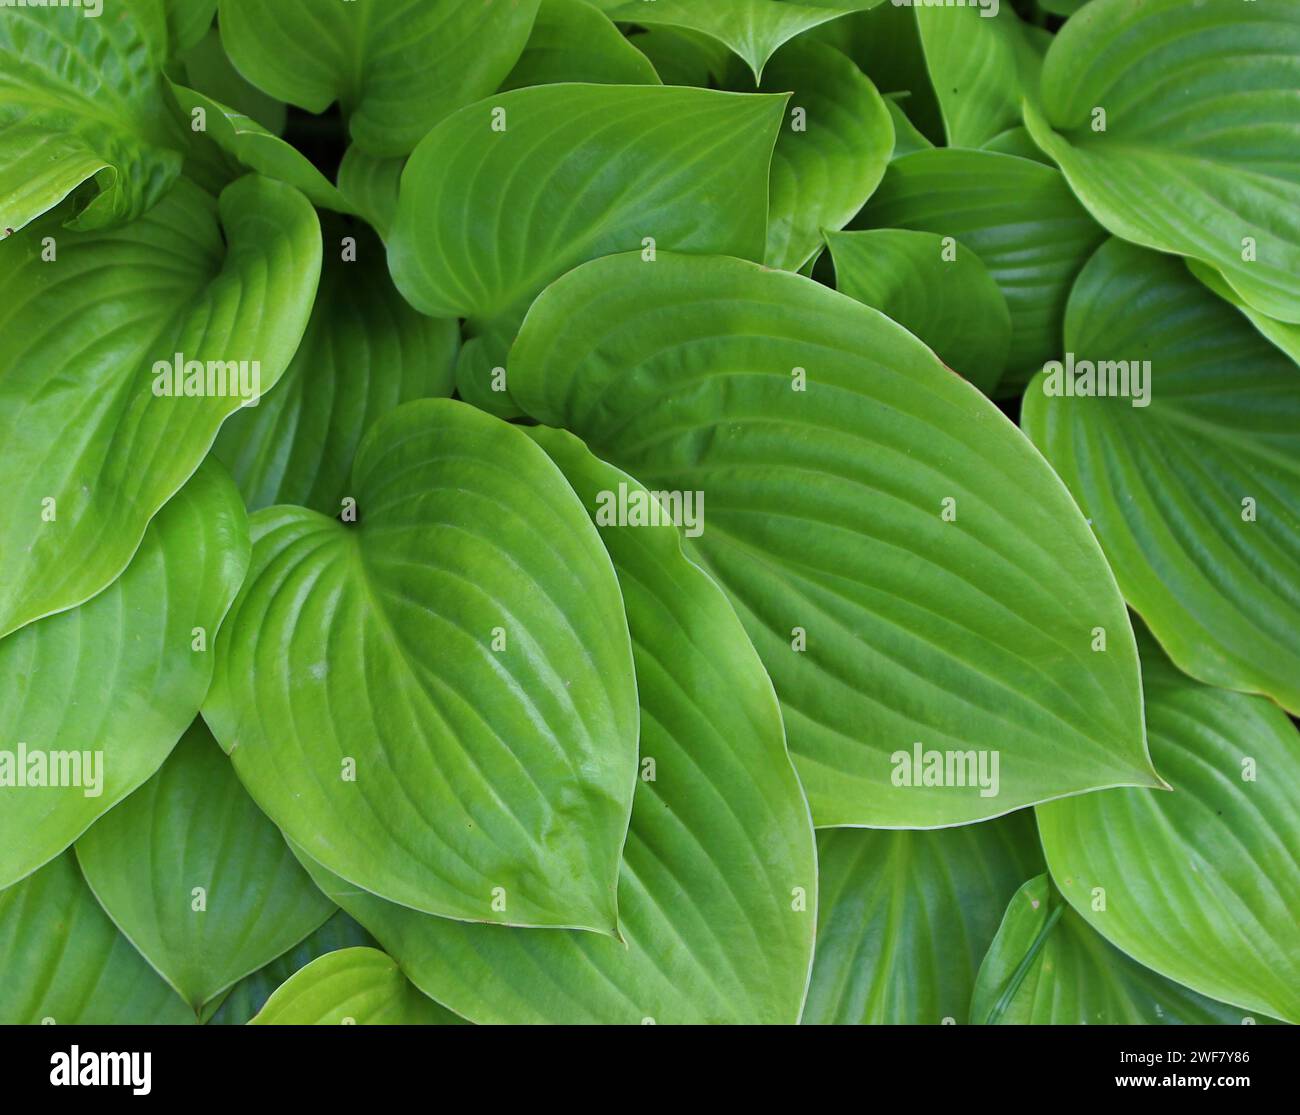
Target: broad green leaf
{"x": 250, "y": 994}
{"x": 907, "y": 137}
{"x": 905, "y": 918}
{"x": 111, "y": 685}
{"x": 572, "y": 40}
{"x": 370, "y": 185}
{"x": 357, "y": 986}
{"x": 249, "y": 146}
{"x": 1018, "y": 216}
{"x": 1048, "y": 967}
{"x": 830, "y": 154}
{"x": 188, "y": 21}
{"x": 717, "y": 894}
{"x": 753, "y": 29}
{"x": 207, "y": 69}
{"x": 1201, "y": 884}
{"x": 682, "y": 57}
{"x": 90, "y": 451}
{"x": 1192, "y": 477}
{"x": 945, "y": 297}
{"x": 396, "y": 67}
{"x": 365, "y": 352}
{"x": 834, "y": 450}
{"x": 437, "y": 700}
{"x": 1284, "y": 334}
{"x": 65, "y": 963}
{"x": 1017, "y": 141}
{"x": 196, "y": 877}
{"x": 1211, "y": 171}
{"x": 82, "y": 99}
{"x": 983, "y": 61}
{"x": 486, "y": 218}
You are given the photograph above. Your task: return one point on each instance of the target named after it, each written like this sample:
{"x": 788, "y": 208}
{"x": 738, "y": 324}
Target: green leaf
{"x": 905, "y": 918}
{"x": 1212, "y": 172}
{"x": 881, "y": 622}
{"x": 573, "y": 41}
{"x": 1166, "y": 471}
{"x": 250, "y": 994}
{"x": 396, "y": 67}
{"x": 830, "y": 154}
{"x": 717, "y": 895}
{"x": 753, "y": 29}
{"x": 371, "y": 186}
{"x": 682, "y": 57}
{"x": 487, "y": 218}
{"x": 1201, "y": 884}
{"x": 437, "y": 700}
{"x": 65, "y": 962}
{"x": 1018, "y": 216}
{"x": 188, "y": 21}
{"x": 249, "y": 146}
{"x": 948, "y": 299}
{"x": 116, "y": 681}
{"x": 82, "y": 99}
{"x": 196, "y": 877}
{"x": 1048, "y": 967}
{"x": 1284, "y": 334}
{"x": 907, "y": 137}
{"x": 365, "y": 352}
{"x": 983, "y": 61}
{"x": 91, "y": 452}
{"x": 357, "y": 986}
{"x": 207, "y": 68}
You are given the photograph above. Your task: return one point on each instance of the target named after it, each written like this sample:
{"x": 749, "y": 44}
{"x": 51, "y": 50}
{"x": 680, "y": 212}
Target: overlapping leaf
{"x": 1198, "y": 151}
{"x": 1048, "y": 967}
{"x": 572, "y": 40}
{"x": 906, "y": 917}
{"x": 717, "y": 894}
{"x": 82, "y": 99}
{"x": 1201, "y": 884}
{"x": 437, "y": 699}
{"x": 65, "y": 963}
{"x": 512, "y": 192}
{"x": 196, "y": 877}
{"x": 104, "y": 691}
{"x": 396, "y": 67}
{"x": 852, "y": 483}
{"x": 91, "y": 449}
{"x": 1191, "y": 476}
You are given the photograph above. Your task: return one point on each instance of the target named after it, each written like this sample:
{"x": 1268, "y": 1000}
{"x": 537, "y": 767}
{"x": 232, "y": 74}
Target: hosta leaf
{"x": 831, "y": 153}
{"x": 1211, "y": 172}
{"x": 717, "y": 893}
{"x": 250, "y": 994}
{"x": 196, "y": 877}
{"x": 357, "y": 986}
{"x": 371, "y": 185}
{"x": 907, "y": 137}
{"x": 188, "y": 21}
{"x": 487, "y": 218}
{"x": 753, "y": 29}
{"x": 1192, "y": 480}
{"x": 572, "y": 40}
{"x": 65, "y": 962}
{"x": 437, "y": 700}
{"x": 905, "y": 918}
{"x": 117, "y": 680}
{"x": 396, "y": 67}
{"x": 983, "y": 62}
{"x": 249, "y": 146}
{"x": 948, "y": 299}
{"x": 1284, "y": 334}
{"x": 1048, "y": 967}
{"x": 1018, "y": 216}
{"x": 365, "y": 351}
{"x": 1201, "y": 884}
{"x": 207, "y": 68}
{"x": 826, "y": 440}
{"x": 91, "y": 453}
{"x": 80, "y": 99}
{"x": 682, "y": 57}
